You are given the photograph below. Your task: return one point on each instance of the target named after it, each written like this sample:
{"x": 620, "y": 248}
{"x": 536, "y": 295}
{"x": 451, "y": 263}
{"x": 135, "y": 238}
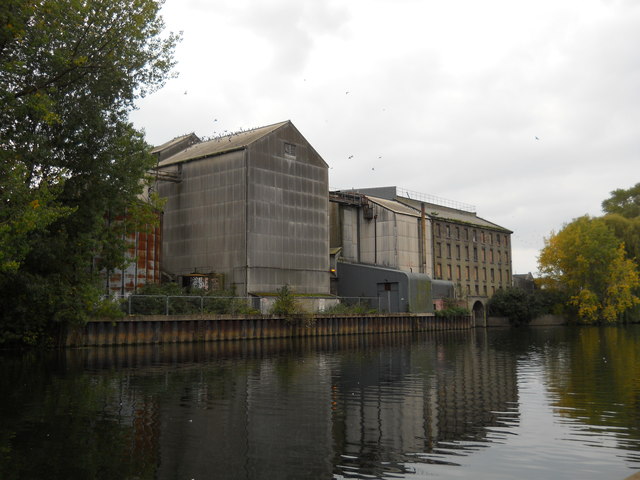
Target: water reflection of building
{"x": 310, "y": 408}
{"x": 416, "y": 398}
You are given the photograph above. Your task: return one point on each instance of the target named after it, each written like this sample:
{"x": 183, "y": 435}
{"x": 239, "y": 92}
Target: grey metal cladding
{"x": 250, "y": 211}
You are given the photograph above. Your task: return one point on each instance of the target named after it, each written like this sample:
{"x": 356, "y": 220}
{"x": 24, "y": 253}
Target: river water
{"x": 526, "y": 403}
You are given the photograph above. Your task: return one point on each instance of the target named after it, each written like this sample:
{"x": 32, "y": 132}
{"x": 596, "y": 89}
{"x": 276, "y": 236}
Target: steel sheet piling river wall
{"x": 198, "y": 328}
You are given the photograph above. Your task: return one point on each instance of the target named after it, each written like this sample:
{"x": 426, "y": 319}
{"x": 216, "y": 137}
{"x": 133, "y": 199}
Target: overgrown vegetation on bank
{"x": 521, "y": 306}
{"x": 72, "y": 166}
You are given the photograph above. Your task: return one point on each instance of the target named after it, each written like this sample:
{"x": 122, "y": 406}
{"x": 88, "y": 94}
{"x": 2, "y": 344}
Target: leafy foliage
{"x": 71, "y": 163}
{"x": 286, "y": 303}
{"x": 588, "y": 262}
{"x": 624, "y": 202}
{"x": 521, "y": 306}
{"x": 350, "y": 309}
{"x": 453, "y": 311}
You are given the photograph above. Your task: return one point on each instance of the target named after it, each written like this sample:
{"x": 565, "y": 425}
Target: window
{"x": 498, "y": 239}
{"x": 484, "y": 289}
{"x": 458, "y": 272}
{"x": 448, "y": 272}
{"x": 458, "y": 252}
{"x": 448, "y": 231}
{"x": 466, "y": 234}
{"x": 457, "y": 233}
{"x": 477, "y": 289}
{"x": 448, "y": 250}
{"x": 491, "y": 255}
{"x": 475, "y": 254}
{"x": 475, "y": 273}
{"x": 439, "y": 249}
{"x": 491, "y": 238}
{"x": 290, "y": 150}
{"x": 467, "y": 272}
{"x": 473, "y": 235}
{"x": 493, "y": 277}
{"x": 439, "y": 271}
{"x": 466, "y": 253}
{"x": 484, "y": 255}
{"x": 468, "y": 289}
{"x": 484, "y": 274}
{"x": 437, "y": 229}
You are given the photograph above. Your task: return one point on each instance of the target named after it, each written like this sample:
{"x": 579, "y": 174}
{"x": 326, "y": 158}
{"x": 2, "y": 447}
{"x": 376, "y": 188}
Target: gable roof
{"x": 220, "y": 145}
{"x": 170, "y": 143}
{"x": 395, "y": 206}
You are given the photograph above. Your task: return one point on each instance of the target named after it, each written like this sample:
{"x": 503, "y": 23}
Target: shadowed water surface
{"x": 524, "y": 403}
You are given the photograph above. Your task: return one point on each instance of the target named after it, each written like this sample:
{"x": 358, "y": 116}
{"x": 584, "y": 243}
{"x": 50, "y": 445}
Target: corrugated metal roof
{"x": 395, "y": 206}
{"x": 220, "y": 145}
{"x": 170, "y": 143}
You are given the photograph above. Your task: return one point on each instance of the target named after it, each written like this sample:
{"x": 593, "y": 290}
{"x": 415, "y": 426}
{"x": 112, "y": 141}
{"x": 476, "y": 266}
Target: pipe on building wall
{"x": 423, "y": 238}
{"x": 375, "y": 239}
{"x": 359, "y": 211}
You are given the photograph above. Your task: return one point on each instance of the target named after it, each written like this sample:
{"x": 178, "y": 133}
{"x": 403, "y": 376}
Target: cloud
{"x": 445, "y": 98}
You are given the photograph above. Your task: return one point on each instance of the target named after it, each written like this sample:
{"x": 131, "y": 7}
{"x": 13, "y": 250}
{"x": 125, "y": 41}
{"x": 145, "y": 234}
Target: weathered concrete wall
{"x": 194, "y": 328}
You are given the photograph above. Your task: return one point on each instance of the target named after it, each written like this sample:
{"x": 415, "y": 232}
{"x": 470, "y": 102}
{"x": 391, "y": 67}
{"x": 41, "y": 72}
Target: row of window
{"x": 494, "y": 274}
{"x": 475, "y": 235}
{"x": 485, "y": 255}
{"x": 484, "y": 290}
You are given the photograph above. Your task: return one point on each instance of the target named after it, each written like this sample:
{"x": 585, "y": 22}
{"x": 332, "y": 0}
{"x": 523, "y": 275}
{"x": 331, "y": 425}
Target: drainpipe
{"x": 423, "y": 238}
{"x": 375, "y": 239}
{"x": 246, "y": 222}
{"x": 358, "y": 231}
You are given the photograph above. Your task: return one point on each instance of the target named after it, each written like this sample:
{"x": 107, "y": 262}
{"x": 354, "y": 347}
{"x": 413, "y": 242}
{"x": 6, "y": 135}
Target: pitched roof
{"x": 395, "y": 206}
{"x": 170, "y": 143}
{"x": 220, "y": 145}
{"x": 452, "y": 214}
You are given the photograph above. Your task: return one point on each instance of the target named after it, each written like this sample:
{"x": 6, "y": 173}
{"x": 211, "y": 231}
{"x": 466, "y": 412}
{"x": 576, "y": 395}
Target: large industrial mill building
{"x": 250, "y": 207}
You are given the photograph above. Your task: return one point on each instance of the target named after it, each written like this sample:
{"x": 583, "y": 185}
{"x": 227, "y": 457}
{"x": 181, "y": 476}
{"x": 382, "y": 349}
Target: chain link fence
{"x": 193, "y": 304}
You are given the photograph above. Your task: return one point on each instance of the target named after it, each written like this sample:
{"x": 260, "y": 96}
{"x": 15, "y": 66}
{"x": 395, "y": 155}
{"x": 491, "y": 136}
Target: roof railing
{"x": 423, "y": 197}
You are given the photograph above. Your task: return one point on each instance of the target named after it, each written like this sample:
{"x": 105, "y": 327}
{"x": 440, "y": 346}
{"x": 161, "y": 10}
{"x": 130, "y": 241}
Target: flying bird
{"x": 537, "y": 138}
{"x": 350, "y": 156}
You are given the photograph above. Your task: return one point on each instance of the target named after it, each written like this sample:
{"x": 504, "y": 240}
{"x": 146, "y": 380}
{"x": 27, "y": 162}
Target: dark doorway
{"x": 389, "y": 297}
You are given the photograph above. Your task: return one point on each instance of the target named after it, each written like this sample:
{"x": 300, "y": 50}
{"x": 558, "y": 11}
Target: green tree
{"x": 72, "y": 164}
{"x": 628, "y": 231}
{"x": 588, "y": 262}
{"x": 624, "y": 202}
{"x": 521, "y": 306}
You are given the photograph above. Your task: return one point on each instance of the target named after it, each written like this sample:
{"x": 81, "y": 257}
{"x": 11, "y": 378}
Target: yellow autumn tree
{"x": 587, "y": 261}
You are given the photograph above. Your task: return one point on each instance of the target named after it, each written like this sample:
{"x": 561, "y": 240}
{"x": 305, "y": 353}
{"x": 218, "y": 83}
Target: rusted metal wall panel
{"x": 143, "y": 255}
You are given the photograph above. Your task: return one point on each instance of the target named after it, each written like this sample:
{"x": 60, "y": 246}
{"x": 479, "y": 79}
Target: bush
{"x": 453, "y": 311}
{"x": 285, "y": 304}
{"x": 521, "y": 306}
{"x": 350, "y": 309}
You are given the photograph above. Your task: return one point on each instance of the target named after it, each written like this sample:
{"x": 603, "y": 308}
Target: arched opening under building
{"x": 478, "y": 312}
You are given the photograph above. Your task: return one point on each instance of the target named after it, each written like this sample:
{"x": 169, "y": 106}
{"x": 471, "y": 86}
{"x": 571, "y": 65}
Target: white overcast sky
{"x": 441, "y": 97}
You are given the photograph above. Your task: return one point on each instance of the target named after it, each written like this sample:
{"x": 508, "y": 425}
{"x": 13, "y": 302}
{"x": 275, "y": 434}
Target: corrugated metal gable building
{"x": 252, "y": 205}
